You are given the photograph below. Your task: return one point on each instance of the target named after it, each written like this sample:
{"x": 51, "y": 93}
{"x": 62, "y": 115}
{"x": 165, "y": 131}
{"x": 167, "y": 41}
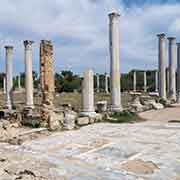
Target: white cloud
{"x": 79, "y": 30}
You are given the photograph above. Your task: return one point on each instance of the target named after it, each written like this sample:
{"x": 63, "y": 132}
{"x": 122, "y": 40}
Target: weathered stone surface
{"x": 83, "y": 121}
{"x": 46, "y": 69}
{"x": 69, "y": 120}
{"x": 101, "y": 106}
{"x": 99, "y": 117}
{"x": 53, "y": 122}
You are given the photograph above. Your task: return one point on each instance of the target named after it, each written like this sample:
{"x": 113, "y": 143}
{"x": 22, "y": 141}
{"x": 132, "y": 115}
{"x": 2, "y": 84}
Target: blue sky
{"x": 79, "y": 31}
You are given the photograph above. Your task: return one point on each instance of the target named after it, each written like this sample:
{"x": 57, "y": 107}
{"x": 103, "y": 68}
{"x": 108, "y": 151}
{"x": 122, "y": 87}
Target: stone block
{"x": 99, "y": 117}
{"x": 69, "y": 120}
{"x": 83, "y": 121}
{"x": 101, "y": 106}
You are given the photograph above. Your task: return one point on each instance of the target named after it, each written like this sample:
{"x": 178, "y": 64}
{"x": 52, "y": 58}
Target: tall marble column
{"x": 4, "y": 84}
{"x": 145, "y": 82}
{"x": 178, "y": 72}
{"x": 162, "y": 66}
{"x": 28, "y": 74}
{"x": 9, "y": 76}
{"x": 134, "y": 81}
{"x": 114, "y": 37}
{"x": 97, "y": 83}
{"x": 106, "y": 83}
{"x": 88, "y": 95}
{"x": 156, "y": 81}
{"x": 172, "y": 68}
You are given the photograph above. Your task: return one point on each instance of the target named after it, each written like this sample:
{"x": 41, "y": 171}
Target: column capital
{"x": 171, "y": 39}
{"x": 178, "y": 44}
{"x": 9, "y": 47}
{"x": 161, "y": 35}
{"x": 114, "y": 15}
{"x": 28, "y": 44}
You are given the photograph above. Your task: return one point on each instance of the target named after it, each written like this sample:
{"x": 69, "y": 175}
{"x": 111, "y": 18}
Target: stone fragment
{"x": 83, "y": 121}
{"x": 69, "y": 120}
{"x": 101, "y": 106}
{"x": 53, "y": 122}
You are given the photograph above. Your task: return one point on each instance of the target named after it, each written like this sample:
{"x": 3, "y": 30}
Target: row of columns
{"x": 106, "y": 88}
{"x": 171, "y": 74}
{"x": 145, "y": 81}
{"x": 8, "y": 82}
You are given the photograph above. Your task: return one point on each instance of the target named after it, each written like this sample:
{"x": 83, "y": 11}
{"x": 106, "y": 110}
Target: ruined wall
{"x": 46, "y": 69}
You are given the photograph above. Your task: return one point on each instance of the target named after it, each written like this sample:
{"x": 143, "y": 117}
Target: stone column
{"x": 167, "y": 79}
{"x": 114, "y": 37}
{"x": 97, "y": 83}
{"x": 9, "y": 76}
{"x": 19, "y": 82}
{"x": 172, "y": 68}
{"x": 106, "y": 84}
{"x": 145, "y": 82}
{"x": 156, "y": 81}
{"x": 134, "y": 81}
{"x": 88, "y": 95}
{"x": 178, "y": 72}
{"x": 4, "y": 84}
{"x": 162, "y": 66}
{"x": 28, "y": 74}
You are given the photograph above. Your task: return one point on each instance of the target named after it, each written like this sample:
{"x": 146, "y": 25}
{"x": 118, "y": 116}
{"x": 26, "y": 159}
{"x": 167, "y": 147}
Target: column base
{"x": 7, "y": 106}
{"x": 29, "y": 107}
{"x": 88, "y": 114}
{"x": 114, "y": 108}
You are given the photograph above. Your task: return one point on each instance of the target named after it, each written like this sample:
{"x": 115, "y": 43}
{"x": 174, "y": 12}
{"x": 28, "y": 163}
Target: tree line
{"x": 67, "y": 81}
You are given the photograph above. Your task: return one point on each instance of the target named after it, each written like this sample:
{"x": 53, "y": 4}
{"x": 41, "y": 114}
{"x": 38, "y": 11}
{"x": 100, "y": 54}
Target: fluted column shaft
{"x": 88, "y": 94}
{"x": 28, "y": 74}
{"x": 9, "y": 76}
{"x": 97, "y": 82}
{"x": 172, "y": 69}
{"x": 178, "y": 72}
{"x": 156, "y": 81}
{"x": 114, "y": 37}
{"x": 106, "y": 84}
{"x": 162, "y": 66}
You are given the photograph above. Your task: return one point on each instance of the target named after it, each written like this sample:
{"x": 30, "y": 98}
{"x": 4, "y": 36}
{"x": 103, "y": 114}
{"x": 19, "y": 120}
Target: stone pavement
{"x": 149, "y": 150}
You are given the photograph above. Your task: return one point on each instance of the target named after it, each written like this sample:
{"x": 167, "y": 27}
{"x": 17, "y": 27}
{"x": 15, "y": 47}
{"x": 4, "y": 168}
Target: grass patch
{"x": 124, "y": 117}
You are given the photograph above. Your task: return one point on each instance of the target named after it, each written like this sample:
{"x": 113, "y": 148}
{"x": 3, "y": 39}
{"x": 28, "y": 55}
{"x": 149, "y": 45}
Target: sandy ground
{"x": 142, "y": 151}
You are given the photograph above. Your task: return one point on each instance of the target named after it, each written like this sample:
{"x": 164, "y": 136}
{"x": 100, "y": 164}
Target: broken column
{"x": 88, "y": 95}
{"x": 47, "y": 71}
{"x": 172, "y": 68}
{"x": 28, "y": 74}
{"x": 97, "y": 83}
{"x": 106, "y": 84}
{"x": 114, "y": 61}
{"x": 134, "y": 81}
{"x": 156, "y": 81}
{"x": 9, "y": 76}
{"x": 162, "y": 66}
{"x": 145, "y": 82}
{"x": 178, "y": 72}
